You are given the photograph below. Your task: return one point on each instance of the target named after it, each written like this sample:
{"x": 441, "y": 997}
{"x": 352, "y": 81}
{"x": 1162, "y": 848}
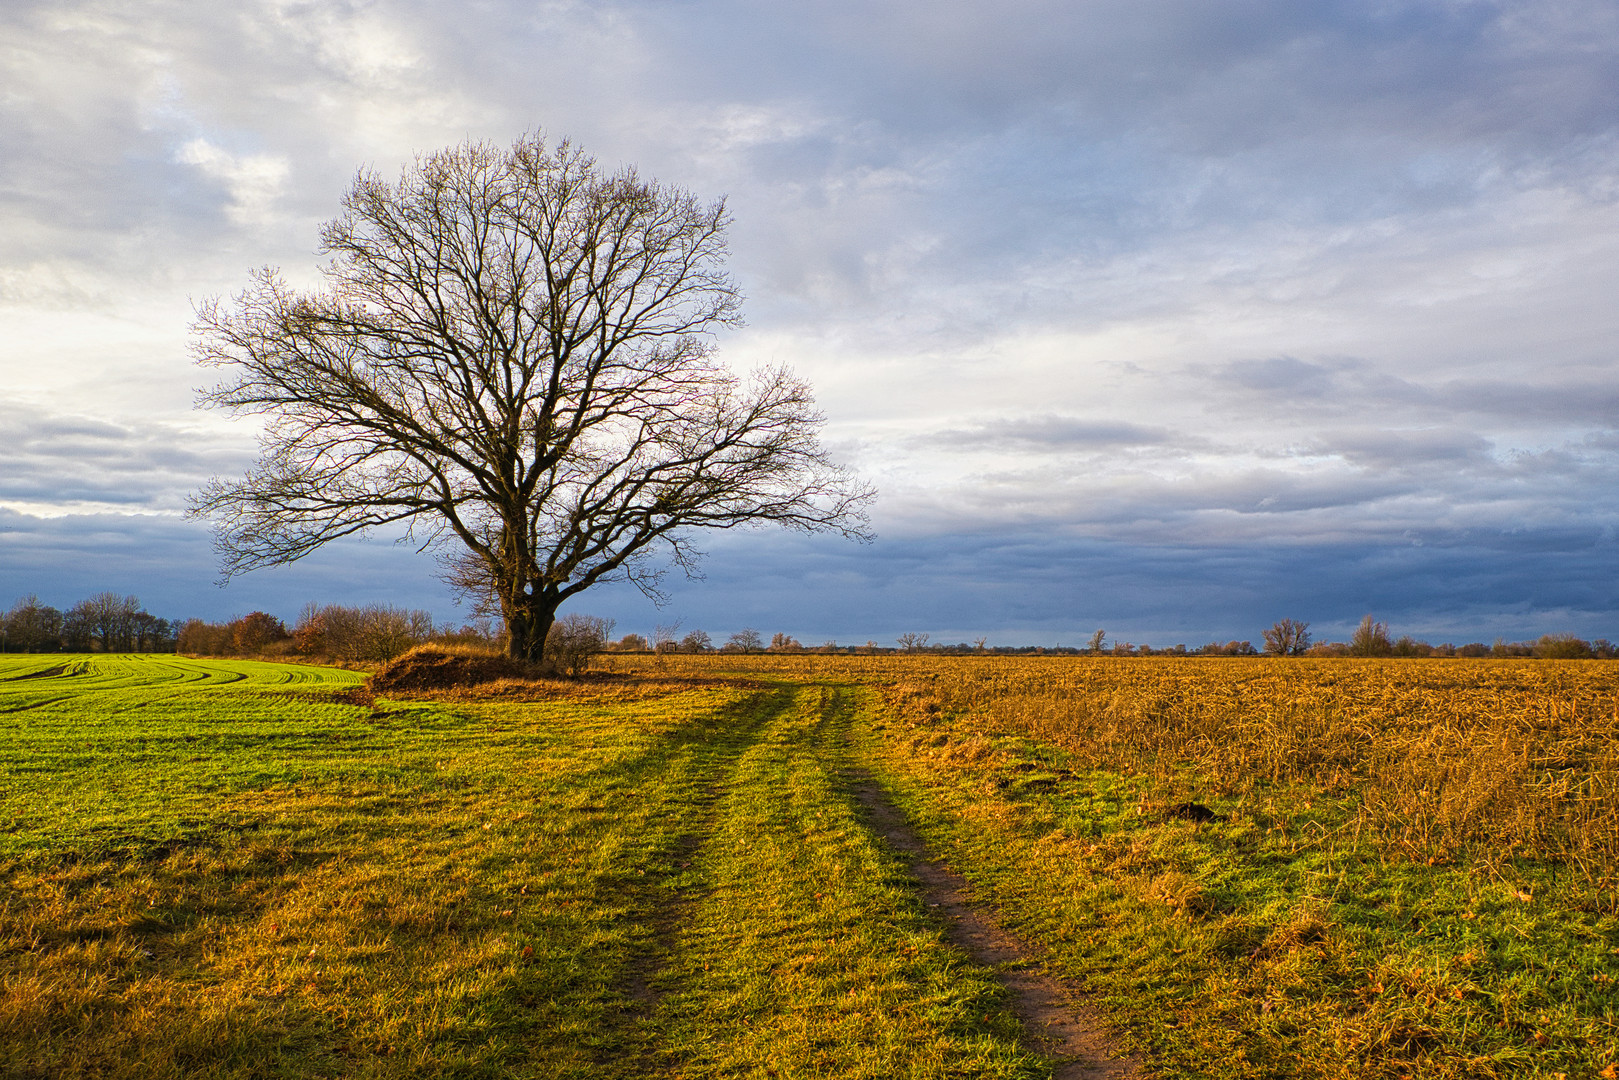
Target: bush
{"x": 1563, "y": 647}
{"x": 363, "y": 635}
{"x": 1371, "y": 639}
{"x": 574, "y": 639}
{"x": 199, "y": 638}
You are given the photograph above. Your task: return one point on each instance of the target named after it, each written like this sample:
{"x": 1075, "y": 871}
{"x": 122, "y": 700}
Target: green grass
{"x": 223, "y": 869}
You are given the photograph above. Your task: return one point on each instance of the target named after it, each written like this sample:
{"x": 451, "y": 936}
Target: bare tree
{"x": 1371, "y": 638}
{"x": 108, "y": 619}
{"x": 911, "y": 642}
{"x": 1098, "y": 639}
{"x": 1288, "y": 637}
{"x": 746, "y": 640}
{"x": 372, "y": 634}
{"x": 513, "y": 357}
{"x": 665, "y": 637}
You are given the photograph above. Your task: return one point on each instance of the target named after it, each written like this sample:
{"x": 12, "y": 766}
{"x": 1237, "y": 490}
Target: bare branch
{"x": 512, "y": 355}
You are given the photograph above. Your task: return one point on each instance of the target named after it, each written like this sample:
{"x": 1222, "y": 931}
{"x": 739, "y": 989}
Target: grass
{"x": 227, "y": 869}
{"x": 1318, "y": 870}
{"x": 1369, "y": 898}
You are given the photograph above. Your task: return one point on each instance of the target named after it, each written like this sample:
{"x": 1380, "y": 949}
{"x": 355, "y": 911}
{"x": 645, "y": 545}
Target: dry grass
{"x": 1396, "y": 869}
{"x": 1475, "y": 762}
{"x": 1471, "y": 761}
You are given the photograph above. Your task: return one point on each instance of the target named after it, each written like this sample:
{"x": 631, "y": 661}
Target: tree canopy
{"x": 512, "y": 360}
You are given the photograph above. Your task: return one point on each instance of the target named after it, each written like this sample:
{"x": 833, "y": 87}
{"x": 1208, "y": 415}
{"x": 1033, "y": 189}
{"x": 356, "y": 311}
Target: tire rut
{"x": 1055, "y": 1019}
{"x": 668, "y": 914}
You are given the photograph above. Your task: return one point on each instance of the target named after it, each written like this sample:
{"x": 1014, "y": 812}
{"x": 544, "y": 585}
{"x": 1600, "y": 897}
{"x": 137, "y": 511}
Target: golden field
{"x": 1450, "y": 759}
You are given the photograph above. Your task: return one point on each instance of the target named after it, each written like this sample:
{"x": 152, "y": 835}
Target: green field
{"x": 241, "y": 869}
{"x": 216, "y": 869}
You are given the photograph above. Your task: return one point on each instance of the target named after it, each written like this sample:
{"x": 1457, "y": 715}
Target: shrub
{"x": 199, "y": 638}
{"x": 1371, "y": 639}
{"x": 363, "y": 635}
{"x": 628, "y": 643}
{"x": 574, "y": 639}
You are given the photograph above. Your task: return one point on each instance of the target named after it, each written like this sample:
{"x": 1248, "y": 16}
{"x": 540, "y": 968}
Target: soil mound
{"x": 432, "y": 667}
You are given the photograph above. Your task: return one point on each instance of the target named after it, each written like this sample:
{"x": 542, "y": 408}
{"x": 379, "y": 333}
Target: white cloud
{"x": 254, "y": 181}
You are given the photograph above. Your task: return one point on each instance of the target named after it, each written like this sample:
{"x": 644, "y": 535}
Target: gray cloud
{"x": 1164, "y": 281}
{"x": 1049, "y": 433}
{"x": 141, "y": 464}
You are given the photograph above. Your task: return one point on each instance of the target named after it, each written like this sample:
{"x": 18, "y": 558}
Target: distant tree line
{"x": 108, "y": 622}
{"x": 1287, "y": 637}
{"x": 372, "y": 634}
{"x": 1372, "y": 638}
{"x": 105, "y": 622}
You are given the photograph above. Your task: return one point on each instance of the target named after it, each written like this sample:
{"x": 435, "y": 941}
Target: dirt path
{"x": 1058, "y": 1024}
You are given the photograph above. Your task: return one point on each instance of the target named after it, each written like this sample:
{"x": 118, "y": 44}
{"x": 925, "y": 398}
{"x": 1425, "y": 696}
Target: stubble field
{"x": 1257, "y": 868}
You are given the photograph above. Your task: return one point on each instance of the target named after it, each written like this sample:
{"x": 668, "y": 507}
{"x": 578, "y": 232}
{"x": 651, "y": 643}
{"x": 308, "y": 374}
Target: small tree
{"x": 780, "y": 642}
{"x": 696, "y": 642}
{"x": 1098, "y": 639}
{"x": 574, "y": 639}
{"x": 747, "y": 640}
{"x": 254, "y": 631}
{"x": 513, "y": 359}
{"x": 664, "y": 638}
{"x": 913, "y": 642}
{"x": 1371, "y": 638}
{"x": 1287, "y": 637}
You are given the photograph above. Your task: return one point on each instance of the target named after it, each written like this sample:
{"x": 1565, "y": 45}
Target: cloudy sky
{"x": 1168, "y": 317}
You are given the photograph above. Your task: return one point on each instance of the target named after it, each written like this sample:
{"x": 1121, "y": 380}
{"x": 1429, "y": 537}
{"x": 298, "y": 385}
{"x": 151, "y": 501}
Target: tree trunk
{"x": 528, "y": 621}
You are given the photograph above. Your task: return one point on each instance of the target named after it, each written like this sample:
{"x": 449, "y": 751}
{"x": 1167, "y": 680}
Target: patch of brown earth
{"x": 48, "y": 673}
{"x": 1055, "y": 1018}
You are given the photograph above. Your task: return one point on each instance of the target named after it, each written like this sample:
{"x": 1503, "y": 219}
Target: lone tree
{"x": 1287, "y": 637}
{"x": 512, "y": 358}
